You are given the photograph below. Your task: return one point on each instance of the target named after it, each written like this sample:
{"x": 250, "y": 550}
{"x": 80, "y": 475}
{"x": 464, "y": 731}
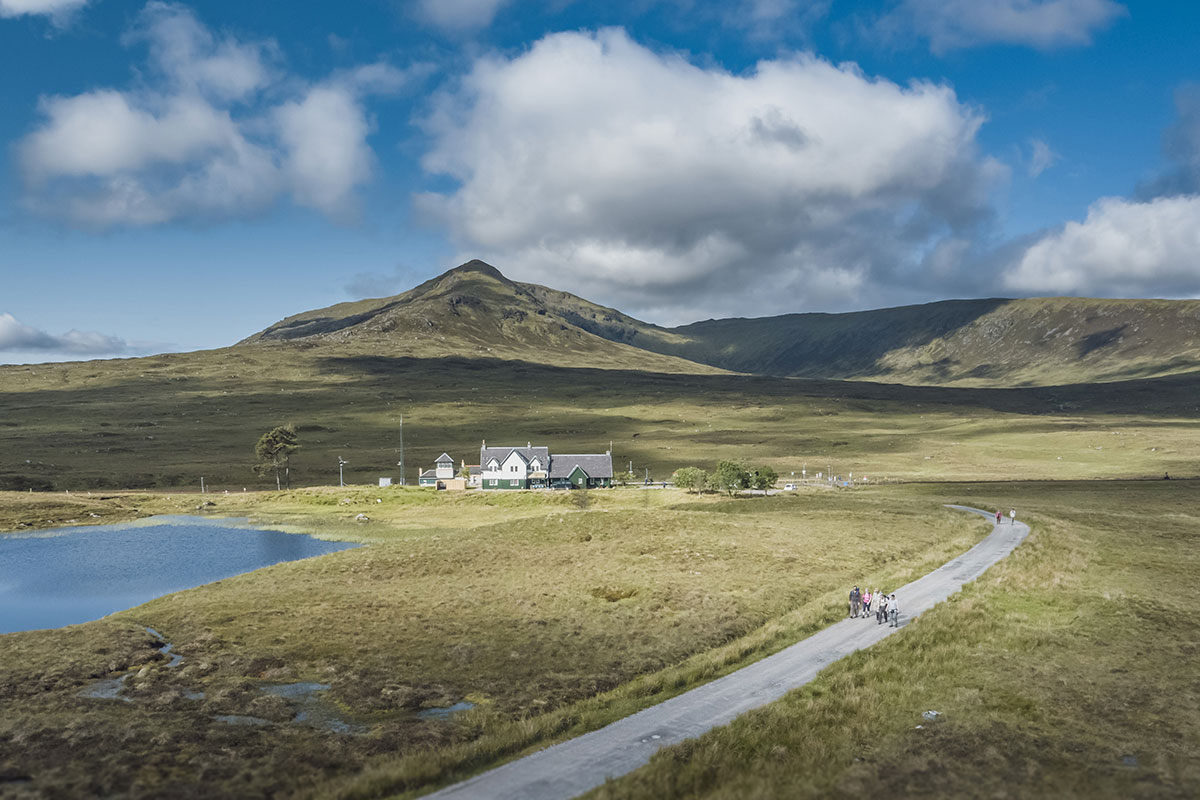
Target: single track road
{"x": 570, "y": 768}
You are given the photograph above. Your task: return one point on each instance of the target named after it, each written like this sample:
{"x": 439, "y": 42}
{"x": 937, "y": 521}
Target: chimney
{"x": 528, "y": 445}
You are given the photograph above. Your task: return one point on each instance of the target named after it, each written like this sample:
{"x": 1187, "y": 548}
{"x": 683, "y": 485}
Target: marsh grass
{"x": 551, "y": 619}
{"x": 166, "y": 421}
{"x": 1067, "y": 670}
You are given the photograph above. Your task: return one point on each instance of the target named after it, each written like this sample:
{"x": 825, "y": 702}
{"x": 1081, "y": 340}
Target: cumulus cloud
{"x": 1130, "y": 247}
{"x": 1123, "y": 248}
{"x": 459, "y": 15}
{"x": 649, "y": 181}
{"x": 1043, "y": 24}
{"x": 58, "y": 10}
{"x": 202, "y": 136}
{"x": 17, "y": 336}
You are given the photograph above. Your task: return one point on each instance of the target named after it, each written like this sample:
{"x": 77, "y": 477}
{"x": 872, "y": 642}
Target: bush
{"x": 693, "y": 479}
{"x": 764, "y": 478}
{"x": 731, "y": 477}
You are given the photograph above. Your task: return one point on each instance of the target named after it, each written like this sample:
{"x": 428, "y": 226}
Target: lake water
{"x": 59, "y": 577}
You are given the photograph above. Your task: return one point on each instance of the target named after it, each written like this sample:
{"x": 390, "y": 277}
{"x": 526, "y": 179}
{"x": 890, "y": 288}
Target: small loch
{"x": 66, "y": 576}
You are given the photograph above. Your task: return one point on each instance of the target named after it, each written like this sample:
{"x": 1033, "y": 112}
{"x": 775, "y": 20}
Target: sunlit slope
{"x": 471, "y": 311}
{"x": 1036, "y": 341}
{"x": 475, "y": 311}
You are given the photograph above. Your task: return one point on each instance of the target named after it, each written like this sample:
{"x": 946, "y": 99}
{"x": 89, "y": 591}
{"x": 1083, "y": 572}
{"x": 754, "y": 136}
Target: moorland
{"x": 554, "y": 613}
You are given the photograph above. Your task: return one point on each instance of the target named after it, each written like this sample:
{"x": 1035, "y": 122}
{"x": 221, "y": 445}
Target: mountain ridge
{"x": 475, "y": 309}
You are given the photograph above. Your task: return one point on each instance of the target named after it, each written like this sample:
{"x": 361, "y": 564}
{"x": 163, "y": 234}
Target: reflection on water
{"x": 62, "y": 577}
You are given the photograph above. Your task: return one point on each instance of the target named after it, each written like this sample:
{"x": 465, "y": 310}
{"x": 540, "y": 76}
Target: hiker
{"x": 866, "y": 600}
{"x": 855, "y": 601}
{"x": 998, "y": 516}
{"x": 881, "y": 611}
{"x": 894, "y": 610}
{"x": 1012, "y": 516}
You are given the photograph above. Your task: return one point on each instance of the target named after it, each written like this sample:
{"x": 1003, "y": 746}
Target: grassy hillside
{"x": 471, "y": 311}
{"x": 1037, "y": 341}
{"x": 167, "y": 421}
{"x": 475, "y": 310}
{"x": 471, "y": 356}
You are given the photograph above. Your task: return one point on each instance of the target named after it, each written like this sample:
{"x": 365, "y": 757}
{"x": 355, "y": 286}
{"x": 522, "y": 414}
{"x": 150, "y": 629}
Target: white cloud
{"x": 458, "y": 15}
{"x": 193, "y": 60}
{"x": 325, "y": 138}
{"x": 1041, "y": 157}
{"x": 202, "y": 137}
{"x": 593, "y": 162}
{"x": 1123, "y": 248}
{"x": 1043, "y": 24}
{"x": 56, "y": 9}
{"x": 16, "y": 336}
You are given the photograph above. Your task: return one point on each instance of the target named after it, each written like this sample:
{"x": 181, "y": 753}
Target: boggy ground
{"x": 167, "y": 421}
{"x": 551, "y": 617}
{"x": 1068, "y": 670}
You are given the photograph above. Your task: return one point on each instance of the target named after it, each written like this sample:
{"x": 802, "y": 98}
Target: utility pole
{"x": 401, "y": 464}
{"x": 341, "y": 463}
{"x": 201, "y": 485}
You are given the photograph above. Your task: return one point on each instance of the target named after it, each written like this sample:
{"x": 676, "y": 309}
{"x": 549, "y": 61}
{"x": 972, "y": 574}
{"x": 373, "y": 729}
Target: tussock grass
{"x": 1066, "y": 671}
{"x": 167, "y": 421}
{"x": 490, "y": 598}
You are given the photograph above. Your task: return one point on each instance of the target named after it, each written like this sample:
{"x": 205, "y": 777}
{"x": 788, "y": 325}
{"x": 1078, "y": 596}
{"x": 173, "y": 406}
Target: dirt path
{"x": 570, "y": 768}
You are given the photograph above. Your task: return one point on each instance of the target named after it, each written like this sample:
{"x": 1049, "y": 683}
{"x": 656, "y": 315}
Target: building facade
{"x": 532, "y": 467}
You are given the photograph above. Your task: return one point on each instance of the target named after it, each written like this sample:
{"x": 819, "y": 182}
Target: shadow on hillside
{"x": 816, "y": 345}
{"x": 595, "y": 388}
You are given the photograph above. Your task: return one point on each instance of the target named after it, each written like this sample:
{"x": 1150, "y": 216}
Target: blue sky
{"x": 177, "y": 176}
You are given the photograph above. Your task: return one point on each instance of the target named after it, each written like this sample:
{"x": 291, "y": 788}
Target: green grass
{"x": 553, "y": 620}
{"x": 1068, "y": 670}
{"x": 167, "y": 421}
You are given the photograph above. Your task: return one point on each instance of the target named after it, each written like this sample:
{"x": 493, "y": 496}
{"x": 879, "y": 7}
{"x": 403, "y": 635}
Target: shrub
{"x": 693, "y": 479}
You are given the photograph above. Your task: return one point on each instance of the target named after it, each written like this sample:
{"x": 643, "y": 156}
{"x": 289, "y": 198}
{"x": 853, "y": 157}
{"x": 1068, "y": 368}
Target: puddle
{"x": 318, "y": 716}
{"x": 237, "y": 719}
{"x": 313, "y": 711}
{"x": 176, "y": 659}
{"x": 441, "y": 713}
{"x": 108, "y": 689}
{"x": 299, "y": 692}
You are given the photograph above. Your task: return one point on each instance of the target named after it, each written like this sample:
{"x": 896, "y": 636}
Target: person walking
{"x": 881, "y": 611}
{"x": 998, "y": 516}
{"x": 894, "y": 610}
{"x": 855, "y": 601}
{"x": 1012, "y": 516}
{"x": 866, "y": 601}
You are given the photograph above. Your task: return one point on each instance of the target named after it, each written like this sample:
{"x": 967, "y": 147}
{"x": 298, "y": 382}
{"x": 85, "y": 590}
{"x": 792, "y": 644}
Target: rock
{"x": 362, "y": 518}
{"x": 931, "y": 716}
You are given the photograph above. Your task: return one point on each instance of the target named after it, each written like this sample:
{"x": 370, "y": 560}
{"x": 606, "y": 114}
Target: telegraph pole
{"x": 402, "y": 481}
{"x": 341, "y": 463}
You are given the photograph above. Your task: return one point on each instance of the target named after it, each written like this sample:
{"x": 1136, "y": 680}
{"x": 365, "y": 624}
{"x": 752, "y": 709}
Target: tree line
{"x": 729, "y": 477}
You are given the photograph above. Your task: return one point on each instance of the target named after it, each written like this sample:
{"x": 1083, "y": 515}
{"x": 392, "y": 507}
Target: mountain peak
{"x": 475, "y": 267}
